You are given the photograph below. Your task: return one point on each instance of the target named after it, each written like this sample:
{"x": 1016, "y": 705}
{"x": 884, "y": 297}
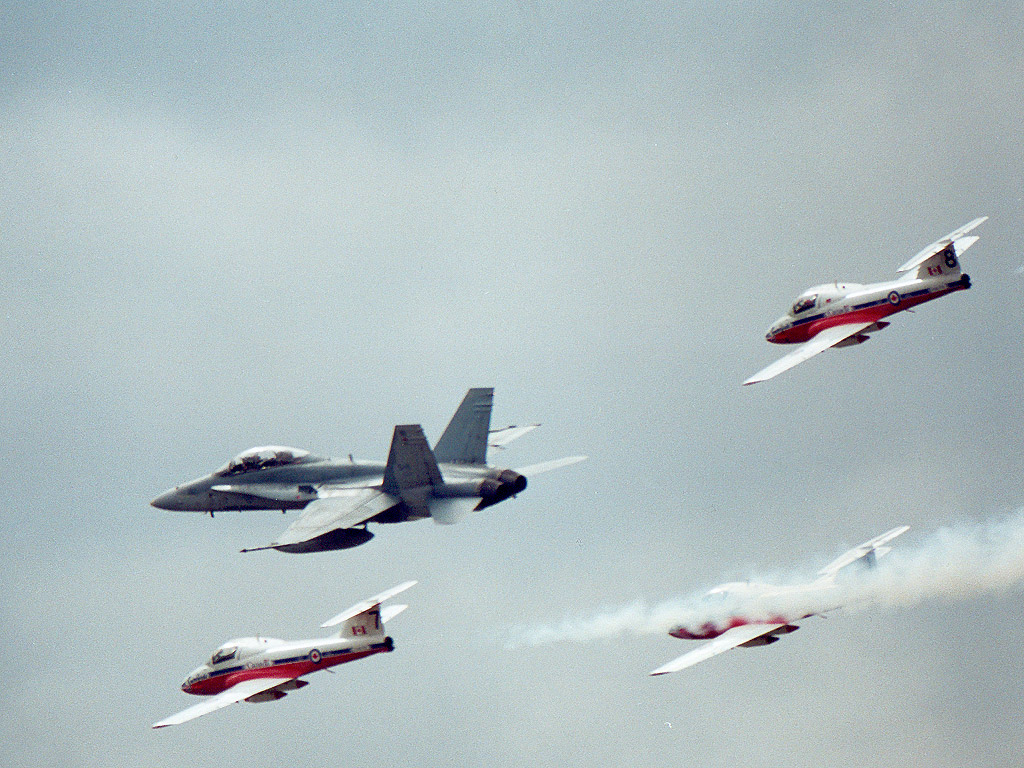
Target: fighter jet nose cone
{"x": 168, "y": 500}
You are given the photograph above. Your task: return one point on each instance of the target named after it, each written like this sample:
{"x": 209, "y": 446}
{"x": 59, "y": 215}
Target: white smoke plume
{"x": 954, "y": 563}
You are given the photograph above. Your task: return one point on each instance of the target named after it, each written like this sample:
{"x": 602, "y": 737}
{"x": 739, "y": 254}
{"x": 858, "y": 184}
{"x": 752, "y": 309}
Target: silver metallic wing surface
{"x": 827, "y": 338}
{"x": 232, "y": 695}
{"x": 336, "y": 508}
{"x": 721, "y": 644}
{"x": 926, "y": 253}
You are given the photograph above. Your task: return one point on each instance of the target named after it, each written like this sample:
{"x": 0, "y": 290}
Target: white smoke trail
{"x": 954, "y": 563}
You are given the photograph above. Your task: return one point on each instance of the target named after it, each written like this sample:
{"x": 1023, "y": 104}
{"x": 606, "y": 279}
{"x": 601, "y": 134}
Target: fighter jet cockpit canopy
{"x": 264, "y": 457}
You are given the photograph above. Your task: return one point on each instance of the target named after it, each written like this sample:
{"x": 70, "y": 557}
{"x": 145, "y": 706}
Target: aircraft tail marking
{"x": 465, "y": 438}
{"x": 366, "y": 619}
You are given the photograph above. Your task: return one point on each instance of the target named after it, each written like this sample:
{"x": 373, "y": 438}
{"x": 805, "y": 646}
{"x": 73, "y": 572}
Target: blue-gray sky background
{"x": 249, "y": 223}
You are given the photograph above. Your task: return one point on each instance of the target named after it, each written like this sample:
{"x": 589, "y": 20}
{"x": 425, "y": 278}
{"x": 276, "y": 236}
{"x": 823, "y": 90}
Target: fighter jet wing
{"x": 724, "y": 642}
{"x": 335, "y": 509}
{"x": 824, "y": 340}
{"x": 232, "y": 695}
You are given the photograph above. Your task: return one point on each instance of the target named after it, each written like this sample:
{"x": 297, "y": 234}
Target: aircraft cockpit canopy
{"x": 804, "y": 303}
{"x": 264, "y": 457}
{"x": 226, "y": 652}
{"x": 239, "y": 649}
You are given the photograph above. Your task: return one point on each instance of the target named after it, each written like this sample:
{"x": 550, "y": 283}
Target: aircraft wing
{"x": 956, "y": 236}
{"x": 335, "y": 509}
{"x": 871, "y": 548}
{"x": 724, "y": 642}
{"x": 232, "y": 695}
{"x": 824, "y": 340}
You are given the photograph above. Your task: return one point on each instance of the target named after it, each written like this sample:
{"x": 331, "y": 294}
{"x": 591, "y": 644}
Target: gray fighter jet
{"x": 339, "y": 498}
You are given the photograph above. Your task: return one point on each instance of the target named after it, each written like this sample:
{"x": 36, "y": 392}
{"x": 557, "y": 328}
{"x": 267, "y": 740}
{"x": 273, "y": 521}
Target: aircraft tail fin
{"x": 868, "y": 553}
{"x": 366, "y": 618}
{"x": 411, "y": 464}
{"x": 942, "y": 256}
{"x": 465, "y": 438}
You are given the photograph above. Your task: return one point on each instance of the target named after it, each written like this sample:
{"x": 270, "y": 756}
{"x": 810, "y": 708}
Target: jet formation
{"x": 339, "y": 498}
{"x": 844, "y": 314}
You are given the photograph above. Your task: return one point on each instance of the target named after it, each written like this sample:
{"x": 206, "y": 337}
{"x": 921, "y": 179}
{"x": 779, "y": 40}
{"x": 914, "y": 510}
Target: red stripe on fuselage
{"x": 218, "y": 683}
{"x": 712, "y": 629}
{"x": 801, "y": 333}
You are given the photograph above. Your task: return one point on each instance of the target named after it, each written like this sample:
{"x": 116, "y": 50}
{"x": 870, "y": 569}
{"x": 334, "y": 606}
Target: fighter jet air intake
{"x": 843, "y": 314}
{"x": 340, "y": 497}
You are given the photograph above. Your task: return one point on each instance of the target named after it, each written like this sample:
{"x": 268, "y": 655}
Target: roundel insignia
{"x": 950, "y": 259}
{"x": 314, "y": 656}
{"x": 894, "y": 298}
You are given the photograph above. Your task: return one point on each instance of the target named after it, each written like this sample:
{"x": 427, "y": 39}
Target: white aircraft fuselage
{"x": 825, "y": 306}
{"x": 769, "y": 604}
{"x": 251, "y": 658}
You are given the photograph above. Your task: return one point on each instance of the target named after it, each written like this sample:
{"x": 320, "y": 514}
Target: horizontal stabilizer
{"x": 956, "y": 236}
{"x": 872, "y": 548}
{"x": 547, "y": 466}
{"x": 389, "y": 612}
{"x": 367, "y": 604}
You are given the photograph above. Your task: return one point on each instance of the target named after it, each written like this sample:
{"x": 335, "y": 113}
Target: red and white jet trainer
{"x": 770, "y": 611}
{"x": 264, "y": 669}
{"x": 843, "y": 314}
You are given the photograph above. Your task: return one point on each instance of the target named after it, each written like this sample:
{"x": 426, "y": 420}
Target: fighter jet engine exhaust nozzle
{"x": 505, "y": 485}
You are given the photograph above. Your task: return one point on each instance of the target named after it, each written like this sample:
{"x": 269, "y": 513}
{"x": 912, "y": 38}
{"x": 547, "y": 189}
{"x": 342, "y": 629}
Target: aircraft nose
{"x": 168, "y": 500}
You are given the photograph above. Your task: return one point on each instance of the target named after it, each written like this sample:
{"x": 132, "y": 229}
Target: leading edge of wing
{"x": 232, "y": 695}
{"x": 724, "y": 642}
{"x": 827, "y": 338}
{"x": 341, "y": 508}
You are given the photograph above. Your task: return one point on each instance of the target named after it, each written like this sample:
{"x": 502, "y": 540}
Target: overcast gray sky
{"x": 238, "y": 224}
